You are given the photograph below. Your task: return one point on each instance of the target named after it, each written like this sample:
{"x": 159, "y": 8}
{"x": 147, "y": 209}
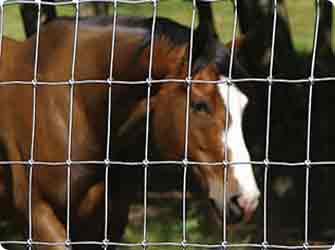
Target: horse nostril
{"x": 212, "y": 203}
{"x": 234, "y": 205}
{"x": 235, "y": 211}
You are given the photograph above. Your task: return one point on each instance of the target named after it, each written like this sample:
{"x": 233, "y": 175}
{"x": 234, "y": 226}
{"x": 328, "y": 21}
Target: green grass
{"x": 301, "y": 14}
{"x": 164, "y": 224}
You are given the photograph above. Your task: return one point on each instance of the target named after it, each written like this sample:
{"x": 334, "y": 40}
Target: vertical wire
{"x": 309, "y": 121}
{"x": 187, "y": 122}
{"x": 70, "y": 125}
{"x": 1, "y": 24}
{"x": 226, "y": 165}
{"x": 268, "y": 125}
{"x": 109, "y": 117}
{"x": 149, "y": 83}
{"x": 232, "y": 53}
{"x": 1, "y": 38}
{"x": 32, "y": 146}
{"x": 226, "y": 139}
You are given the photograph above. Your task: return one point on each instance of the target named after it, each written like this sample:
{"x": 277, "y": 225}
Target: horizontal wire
{"x": 73, "y": 2}
{"x": 157, "y": 244}
{"x": 168, "y": 163}
{"x": 162, "y": 81}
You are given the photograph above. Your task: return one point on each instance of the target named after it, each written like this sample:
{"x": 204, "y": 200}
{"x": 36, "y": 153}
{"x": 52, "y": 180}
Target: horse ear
{"x": 205, "y": 37}
{"x": 136, "y": 118}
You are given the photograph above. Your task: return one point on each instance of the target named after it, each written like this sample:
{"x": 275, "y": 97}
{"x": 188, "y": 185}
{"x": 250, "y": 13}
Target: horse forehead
{"x": 237, "y": 100}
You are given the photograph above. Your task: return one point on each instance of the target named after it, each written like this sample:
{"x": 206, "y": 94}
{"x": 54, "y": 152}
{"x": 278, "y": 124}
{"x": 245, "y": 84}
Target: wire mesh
{"x": 146, "y": 163}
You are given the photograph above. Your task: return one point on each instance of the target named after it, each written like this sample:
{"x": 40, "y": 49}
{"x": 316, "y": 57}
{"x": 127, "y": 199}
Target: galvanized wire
{"x": 146, "y": 163}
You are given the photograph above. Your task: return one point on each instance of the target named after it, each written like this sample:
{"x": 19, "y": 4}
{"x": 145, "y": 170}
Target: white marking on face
{"x": 243, "y": 173}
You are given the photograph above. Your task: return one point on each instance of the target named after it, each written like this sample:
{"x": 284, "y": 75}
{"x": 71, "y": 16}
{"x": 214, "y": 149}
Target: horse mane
{"x": 177, "y": 34}
{"x": 173, "y": 34}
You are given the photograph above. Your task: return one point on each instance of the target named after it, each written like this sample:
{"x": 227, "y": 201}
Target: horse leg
{"x": 106, "y": 8}
{"x": 4, "y": 193}
{"x": 45, "y": 224}
{"x": 50, "y": 12}
{"x": 100, "y": 9}
{"x": 91, "y": 214}
{"x": 29, "y": 17}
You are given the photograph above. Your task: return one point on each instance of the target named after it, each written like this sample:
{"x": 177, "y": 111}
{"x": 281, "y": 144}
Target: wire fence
{"x": 146, "y": 163}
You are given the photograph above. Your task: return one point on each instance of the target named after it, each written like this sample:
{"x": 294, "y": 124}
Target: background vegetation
{"x": 301, "y": 13}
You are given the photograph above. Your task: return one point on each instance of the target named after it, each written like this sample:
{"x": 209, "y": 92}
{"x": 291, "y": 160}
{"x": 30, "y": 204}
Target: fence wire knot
{"x": 311, "y": 80}
{"x": 183, "y": 244}
{"x": 308, "y": 163}
{"x": 105, "y": 243}
{"x": 269, "y": 80}
{"x": 188, "y": 81}
{"x": 305, "y": 245}
{"x": 71, "y": 82}
{"x": 144, "y": 243}
{"x": 265, "y": 245}
{"x": 107, "y": 162}
{"x": 109, "y": 81}
{"x": 67, "y": 244}
{"x": 30, "y": 162}
{"x": 223, "y": 80}
{"x": 229, "y": 81}
{"x": 225, "y": 163}
{"x": 29, "y": 243}
{"x": 224, "y": 244}
{"x": 145, "y": 163}
{"x": 34, "y": 82}
{"x": 149, "y": 81}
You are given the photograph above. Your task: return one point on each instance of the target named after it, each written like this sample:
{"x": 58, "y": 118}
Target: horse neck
{"x": 14, "y": 57}
{"x": 168, "y": 59}
{"x": 135, "y": 67}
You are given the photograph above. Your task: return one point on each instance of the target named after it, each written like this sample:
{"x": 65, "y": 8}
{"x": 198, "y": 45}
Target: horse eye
{"x": 200, "y": 106}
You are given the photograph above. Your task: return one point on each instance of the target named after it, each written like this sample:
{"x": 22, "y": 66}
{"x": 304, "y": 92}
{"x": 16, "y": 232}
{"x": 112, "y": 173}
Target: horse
{"x": 207, "y": 116}
{"x": 253, "y": 51}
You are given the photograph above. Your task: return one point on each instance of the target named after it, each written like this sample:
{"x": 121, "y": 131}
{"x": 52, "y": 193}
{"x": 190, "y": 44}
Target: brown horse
{"x": 208, "y": 114}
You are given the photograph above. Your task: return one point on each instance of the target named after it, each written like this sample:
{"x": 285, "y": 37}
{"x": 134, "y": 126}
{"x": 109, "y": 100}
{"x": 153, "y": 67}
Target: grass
{"x": 301, "y": 13}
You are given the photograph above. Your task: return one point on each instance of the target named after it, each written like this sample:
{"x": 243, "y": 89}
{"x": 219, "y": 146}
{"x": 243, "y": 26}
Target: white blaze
{"x": 243, "y": 173}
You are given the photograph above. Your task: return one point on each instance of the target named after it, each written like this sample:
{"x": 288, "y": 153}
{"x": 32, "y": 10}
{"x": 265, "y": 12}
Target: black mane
{"x": 176, "y": 33}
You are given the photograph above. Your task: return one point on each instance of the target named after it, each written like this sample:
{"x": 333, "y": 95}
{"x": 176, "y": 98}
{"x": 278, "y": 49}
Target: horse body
{"x": 51, "y": 142}
{"x": 90, "y": 102}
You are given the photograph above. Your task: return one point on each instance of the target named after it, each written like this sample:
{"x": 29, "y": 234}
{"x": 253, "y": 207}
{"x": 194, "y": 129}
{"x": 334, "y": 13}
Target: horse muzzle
{"x": 241, "y": 208}
{"x": 238, "y": 209}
